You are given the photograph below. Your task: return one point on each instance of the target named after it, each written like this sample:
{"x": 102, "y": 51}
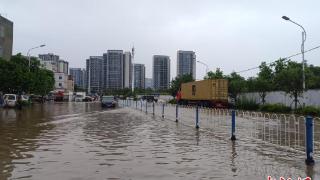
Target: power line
{"x": 287, "y": 59}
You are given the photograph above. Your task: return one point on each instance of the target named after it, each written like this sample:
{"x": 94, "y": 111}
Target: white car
{"x": 24, "y": 98}
{"x": 10, "y": 100}
{"x": 79, "y": 98}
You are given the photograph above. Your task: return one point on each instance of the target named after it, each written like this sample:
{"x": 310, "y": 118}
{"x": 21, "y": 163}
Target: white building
{"x": 127, "y": 70}
{"x": 63, "y": 82}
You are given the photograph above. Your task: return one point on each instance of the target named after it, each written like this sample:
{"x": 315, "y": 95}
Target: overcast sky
{"x": 233, "y": 35}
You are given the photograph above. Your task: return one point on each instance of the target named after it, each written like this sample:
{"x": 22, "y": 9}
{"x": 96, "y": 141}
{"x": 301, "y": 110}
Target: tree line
{"x": 16, "y": 77}
{"x": 282, "y": 75}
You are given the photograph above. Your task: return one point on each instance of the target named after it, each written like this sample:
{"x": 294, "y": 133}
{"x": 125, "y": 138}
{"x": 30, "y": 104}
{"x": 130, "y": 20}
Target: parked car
{"x": 109, "y": 101}
{"x": 88, "y": 99}
{"x": 36, "y": 98}
{"x": 79, "y": 97}
{"x": 10, "y": 100}
{"x": 149, "y": 98}
{"x": 25, "y": 98}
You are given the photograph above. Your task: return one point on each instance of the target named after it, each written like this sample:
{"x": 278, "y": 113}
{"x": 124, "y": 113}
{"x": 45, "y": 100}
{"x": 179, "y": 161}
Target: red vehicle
{"x": 58, "y": 96}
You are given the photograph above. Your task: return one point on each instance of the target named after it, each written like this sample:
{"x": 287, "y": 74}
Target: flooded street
{"x": 83, "y": 141}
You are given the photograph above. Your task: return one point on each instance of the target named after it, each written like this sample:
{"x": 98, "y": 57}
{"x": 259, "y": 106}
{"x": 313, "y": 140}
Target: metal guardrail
{"x": 282, "y": 130}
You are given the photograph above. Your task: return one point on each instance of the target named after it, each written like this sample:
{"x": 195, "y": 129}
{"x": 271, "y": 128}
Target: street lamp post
{"x": 132, "y": 73}
{"x": 304, "y": 37}
{"x": 207, "y": 67}
{"x": 28, "y": 54}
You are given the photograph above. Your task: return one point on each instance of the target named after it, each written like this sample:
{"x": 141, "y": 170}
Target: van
{"x": 10, "y": 100}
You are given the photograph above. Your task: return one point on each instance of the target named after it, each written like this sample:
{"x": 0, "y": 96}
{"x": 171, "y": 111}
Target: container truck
{"x": 208, "y": 93}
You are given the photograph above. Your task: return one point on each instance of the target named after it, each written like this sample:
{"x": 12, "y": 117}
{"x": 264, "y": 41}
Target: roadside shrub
{"x": 172, "y": 101}
{"x": 246, "y": 104}
{"x": 24, "y": 103}
{"x": 308, "y": 110}
{"x": 276, "y": 108}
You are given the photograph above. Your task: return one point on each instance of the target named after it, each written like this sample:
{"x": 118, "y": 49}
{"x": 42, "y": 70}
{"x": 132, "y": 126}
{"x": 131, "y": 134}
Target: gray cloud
{"x": 232, "y": 35}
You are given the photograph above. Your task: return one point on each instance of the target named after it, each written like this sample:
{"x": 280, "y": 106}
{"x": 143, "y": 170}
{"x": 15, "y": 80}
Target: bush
{"x": 173, "y": 101}
{"x": 276, "y": 108}
{"x": 308, "y": 110}
{"x": 246, "y": 104}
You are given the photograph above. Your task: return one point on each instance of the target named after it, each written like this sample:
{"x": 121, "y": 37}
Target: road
{"x": 83, "y": 141}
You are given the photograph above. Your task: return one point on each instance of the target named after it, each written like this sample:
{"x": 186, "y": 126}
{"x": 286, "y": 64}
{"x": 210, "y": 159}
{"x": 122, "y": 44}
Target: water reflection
{"x": 81, "y": 140}
{"x": 233, "y": 156}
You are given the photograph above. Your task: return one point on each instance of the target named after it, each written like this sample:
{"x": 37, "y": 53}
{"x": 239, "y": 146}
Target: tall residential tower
{"x": 186, "y": 63}
{"x": 6, "y": 38}
{"x": 113, "y": 69}
{"x": 139, "y": 76}
{"x": 161, "y": 72}
{"x": 94, "y": 67}
{"x": 79, "y": 77}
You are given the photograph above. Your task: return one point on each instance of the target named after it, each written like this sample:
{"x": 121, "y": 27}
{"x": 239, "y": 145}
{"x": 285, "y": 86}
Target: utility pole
{"x": 304, "y": 37}
{"x": 132, "y": 60}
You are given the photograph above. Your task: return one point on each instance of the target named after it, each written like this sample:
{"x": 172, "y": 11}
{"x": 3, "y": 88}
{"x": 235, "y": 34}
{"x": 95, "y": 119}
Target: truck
{"x": 207, "y": 93}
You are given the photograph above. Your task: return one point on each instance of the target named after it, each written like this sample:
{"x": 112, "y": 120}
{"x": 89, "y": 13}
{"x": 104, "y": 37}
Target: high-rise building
{"x": 6, "y": 38}
{"x": 94, "y": 68}
{"x": 79, "y": 77}
{"x": 127, "y": 70}
{"x": 161, "y": 72}
{"x": 60, "y": 68}
{"x": 113, "y": 69}
{"x": 148, "y": 83}
{"x": 186, "y": 63}
{"x": 139, "y": 76}
{"x": 51, "y": 59}
{"x": 63, "y": 66}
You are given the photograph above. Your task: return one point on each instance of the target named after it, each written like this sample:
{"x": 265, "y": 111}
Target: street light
{"x": 207, "y": 67}
{"x": 304, "y": 37}
{"x": 28, "y": 54}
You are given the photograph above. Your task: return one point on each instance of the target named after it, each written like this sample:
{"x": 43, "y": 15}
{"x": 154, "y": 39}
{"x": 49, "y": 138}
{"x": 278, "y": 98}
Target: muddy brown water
{"x": 82, "y": 141}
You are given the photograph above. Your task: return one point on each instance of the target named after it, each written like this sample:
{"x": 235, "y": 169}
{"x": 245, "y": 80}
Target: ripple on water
{"x": 64, "y": 142}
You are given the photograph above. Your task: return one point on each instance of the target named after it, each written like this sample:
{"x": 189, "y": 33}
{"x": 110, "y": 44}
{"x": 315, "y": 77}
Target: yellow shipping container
{"x": 205, "y": 90}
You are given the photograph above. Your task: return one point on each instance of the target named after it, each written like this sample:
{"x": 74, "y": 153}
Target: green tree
{"x": 289, "y": 79}
{"x": 218, "y": 74}
{"x": 17, "y": 77}
{"x": 264, "y": 81}
{"x": 312, "y": 77}
{"x": 176, "y": 83}
{"x": 237, "y": 85}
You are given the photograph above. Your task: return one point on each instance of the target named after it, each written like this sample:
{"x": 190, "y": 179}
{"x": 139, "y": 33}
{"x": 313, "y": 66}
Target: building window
{"x": 60, "y": 77}
{"x": 60, "y": 84}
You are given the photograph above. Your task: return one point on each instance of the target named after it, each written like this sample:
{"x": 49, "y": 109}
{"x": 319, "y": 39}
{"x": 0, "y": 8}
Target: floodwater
{"x": 82, "y": 141}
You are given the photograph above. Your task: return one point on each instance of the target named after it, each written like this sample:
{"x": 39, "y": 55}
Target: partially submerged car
{"x": 10, "y": 100}
{"x": 109, "y": 101}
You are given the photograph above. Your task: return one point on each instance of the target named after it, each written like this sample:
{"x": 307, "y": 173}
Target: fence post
{"x": 153, "y": 108}
{"x": 177, "y": 112}
{"x": 233, "y": 128}
{"x": 197, "y": 117}
{"x": 309, "y": 140}
{"x": 146, "y": 107}
{"x": 136, "y": 104}
{"x": 141, "y": 104}
{"x": 163, "y": 110}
